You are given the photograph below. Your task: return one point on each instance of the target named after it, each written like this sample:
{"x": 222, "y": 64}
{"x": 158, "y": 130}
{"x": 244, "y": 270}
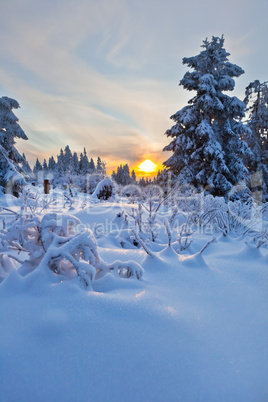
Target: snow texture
{"x": 192, "y": 328}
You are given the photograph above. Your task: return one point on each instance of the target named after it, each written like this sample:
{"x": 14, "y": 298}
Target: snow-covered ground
{"x": 193, "y": 328}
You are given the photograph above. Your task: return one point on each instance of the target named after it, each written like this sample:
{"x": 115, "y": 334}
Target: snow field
{"x": 193, "y": 328}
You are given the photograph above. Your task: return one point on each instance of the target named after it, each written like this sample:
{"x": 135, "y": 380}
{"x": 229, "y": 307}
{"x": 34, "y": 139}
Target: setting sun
{"x": 148, "y": 166}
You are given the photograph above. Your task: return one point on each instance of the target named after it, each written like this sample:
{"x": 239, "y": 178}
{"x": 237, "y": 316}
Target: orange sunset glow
{"x": 147, "y": 168}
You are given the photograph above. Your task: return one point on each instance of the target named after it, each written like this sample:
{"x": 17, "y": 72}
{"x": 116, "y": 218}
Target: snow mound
{"x": 104, "y": 190}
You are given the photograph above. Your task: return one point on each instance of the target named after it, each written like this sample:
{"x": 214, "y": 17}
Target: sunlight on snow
{"x": 138, "y": 295}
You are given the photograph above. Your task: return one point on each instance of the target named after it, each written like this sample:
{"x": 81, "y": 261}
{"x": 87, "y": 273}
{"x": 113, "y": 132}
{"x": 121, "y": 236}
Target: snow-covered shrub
{"x": 22, "y": 235}
{"x": 126, "y": 269}
{"x": 136, "y": 215}
{"x": 208, "y": 213}
{"x": 215, "y": 214}
{"x": 122, "y": 238}
{"x": 120, "y": 234}
{"x": 104, "y": 189}
{"x": 133, "y": 193}
{"x": 148, "y": 207}
{"x": 260, "y": 239}
{"x": 183, "y": 239}
{"x": 56, "y": 243}
{"x": 154, "y": 199}
{"x": 246, "y": 216}
{"x": 65, "y": 249}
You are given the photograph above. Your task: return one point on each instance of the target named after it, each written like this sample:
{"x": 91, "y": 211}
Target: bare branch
{"x": 143, "y": 245}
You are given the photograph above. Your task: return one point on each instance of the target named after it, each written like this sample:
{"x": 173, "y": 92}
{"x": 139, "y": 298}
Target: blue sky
{"x": 104, "y": 74}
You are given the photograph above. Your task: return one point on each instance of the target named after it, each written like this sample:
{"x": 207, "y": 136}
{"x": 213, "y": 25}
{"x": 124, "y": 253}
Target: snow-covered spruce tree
{"x": 75, "y": 164}
{"x": 25, "y": 166}
{"x": 84, "y": 163}
{"x": 207, "y": 147}
{"x": 101, "y": 167}
{"x": 59, "y": 174}
{"x": 45, "y": 167}
{"x": 11, "y": 178}
{"x": 67, "y": 160}
{"x": 122, "y": 175}
{"x": 256, "y": 100}
{"x": 92, "y": 168}
{"x": 37, "y": 167}
{"x": 52, "y": 164}
{"x": 126, "y": 179}
{"x": 133, "y": 176}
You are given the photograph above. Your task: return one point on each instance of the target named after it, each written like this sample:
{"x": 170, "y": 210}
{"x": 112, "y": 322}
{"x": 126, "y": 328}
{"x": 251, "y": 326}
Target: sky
{"x": 104, "y": 74}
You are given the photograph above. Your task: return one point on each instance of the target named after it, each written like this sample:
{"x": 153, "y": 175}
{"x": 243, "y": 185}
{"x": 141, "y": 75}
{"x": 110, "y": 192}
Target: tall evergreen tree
{"x": 126, "y": 179}
{"x": 142, "y": 182}
{"x": 256, "y": 100}
{"x": 113, "y": 176}
{"x": 37, "y": 167}
{"x": 25, "y": 165}
{"x": 45, "y": 167}
{"x": 75, "y": 164}
{"x": 60, "y": 161}
{"x": 133, "y": 176}
{"x": 84, "y": 163}
{"x": 92, "y": 166}
{"x": 67, "y": 160}
{"x": 117, "y": 176}
{"x": 51, "y": 164}
{"x": 207, "y": 147}
{"x": 122, "y": 175}
{"x": 60, "y": 165}
{"x": 80, "y": 162}
{"x": 10, "y": 172}
{"x": 101, "y": 168}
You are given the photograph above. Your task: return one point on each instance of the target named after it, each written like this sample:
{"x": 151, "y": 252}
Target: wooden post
{"x": 46, "y": 186}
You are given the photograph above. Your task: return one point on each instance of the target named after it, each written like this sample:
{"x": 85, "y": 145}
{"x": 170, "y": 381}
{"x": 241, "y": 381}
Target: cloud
{"x": 93, "y": 110}
{"x": 104, "y": 74}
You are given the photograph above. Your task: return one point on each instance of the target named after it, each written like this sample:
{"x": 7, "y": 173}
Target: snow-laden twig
{"x": 259, "y": 240}
{"x": 143, "y": 245}
{"x": 174, "y": 214}
{"x": 136, "y": 215}
{"x": 17, "y": 247}
{"x": 9, "y": 210}
{"x": 166, "y": 223}
{"x": 183, "y": 239}
{"x": 208, "y": 243}
{"x": 15, "y": 258}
